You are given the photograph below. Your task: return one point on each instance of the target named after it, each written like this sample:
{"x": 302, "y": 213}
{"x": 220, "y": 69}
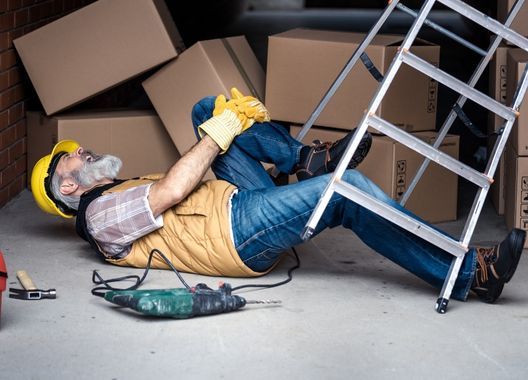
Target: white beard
{"x": 100, "y": 167}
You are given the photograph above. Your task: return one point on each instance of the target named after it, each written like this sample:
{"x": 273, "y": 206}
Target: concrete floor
{"x": 348, "y": 313}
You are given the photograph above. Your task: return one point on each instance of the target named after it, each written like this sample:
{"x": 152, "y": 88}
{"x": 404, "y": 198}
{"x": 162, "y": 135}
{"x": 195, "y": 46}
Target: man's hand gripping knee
{"x": 231, "y": 118}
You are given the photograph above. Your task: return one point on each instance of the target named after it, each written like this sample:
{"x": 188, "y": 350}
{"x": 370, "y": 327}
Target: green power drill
{"x": 181, "y": 303}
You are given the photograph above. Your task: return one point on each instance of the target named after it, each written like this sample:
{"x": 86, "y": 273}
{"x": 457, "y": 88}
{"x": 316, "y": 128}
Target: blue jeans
{"x": 268, "y": 219}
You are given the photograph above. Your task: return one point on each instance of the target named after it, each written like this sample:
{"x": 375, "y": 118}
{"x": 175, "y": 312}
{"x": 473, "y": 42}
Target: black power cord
{"x": 105, "y": 284}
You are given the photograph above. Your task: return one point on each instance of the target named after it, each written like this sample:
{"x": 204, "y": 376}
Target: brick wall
{"x": 18, "y": 17}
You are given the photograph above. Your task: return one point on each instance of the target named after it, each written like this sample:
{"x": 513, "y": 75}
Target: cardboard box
{"x": 95, "y": 48}
{"x": 498, "y": 70}
{"x": 137, "y": 137}
{"x": 516, "y": 62}
{"x": 516, "y": 190}
{"x": 303, "y": 64}
{"x": 208, "y": 68}
{"x": 520, "y": 23}
{"x": 392, "y": 167}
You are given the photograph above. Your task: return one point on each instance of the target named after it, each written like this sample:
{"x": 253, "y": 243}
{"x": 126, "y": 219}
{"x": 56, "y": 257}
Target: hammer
{"x": 30, "y": 291}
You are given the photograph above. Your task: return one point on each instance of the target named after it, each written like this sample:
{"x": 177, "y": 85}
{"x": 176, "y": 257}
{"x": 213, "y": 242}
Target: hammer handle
{"x": 25, "y": 280}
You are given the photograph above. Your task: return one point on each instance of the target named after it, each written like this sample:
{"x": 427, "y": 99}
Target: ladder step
{"x": 458, "y": 86}
{"x": 400, "y": 218}
{"x": 429, "y": 151}
{"x": 487, "y": 22}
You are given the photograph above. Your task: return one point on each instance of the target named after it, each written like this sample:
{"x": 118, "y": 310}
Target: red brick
{"x": 4, "y": 81}
{"x": 15, "y": 113}
{"x": 7, "y": 137}
{"x": 11, "y": 96}
{"x": 16, "y": 186}
{"x": 4, "y": 117}
{"x": 4, "y": 40}
{"x": 3, "y": 197}
{"x": 4, "y": 158}
{"x": 34, "y": 14}
{"x": 8, "y": 175}
{"x": 7, "y": 59}
{"x": 21, "y": 129}
{"x": 21, "y": 17}
{"x": 13, "y": 76}
{"x": 14, "y": 34}
{"x": 16, "y": 151}
{"x": 7, "y": 21}
{"x": 14, "y": 4}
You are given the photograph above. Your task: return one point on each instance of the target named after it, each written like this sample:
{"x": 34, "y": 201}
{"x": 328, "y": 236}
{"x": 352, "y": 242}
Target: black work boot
{"x": 321, "y": 158}
{"x": 496, "y": 265}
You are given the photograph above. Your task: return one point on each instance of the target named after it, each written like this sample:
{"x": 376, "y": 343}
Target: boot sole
{"x": 518, "y": 245}
{"x": 359, "y": 155}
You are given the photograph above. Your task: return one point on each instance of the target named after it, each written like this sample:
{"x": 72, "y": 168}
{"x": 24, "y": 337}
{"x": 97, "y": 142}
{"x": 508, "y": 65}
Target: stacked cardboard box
{"x": 91, "y": 51}
{"x": 294, "y": 88}
{"x": 303, "y": 63}
{"x": 87, "y": 53}
{"x": 207, "y": 68}
{"x": 516, "y": 155}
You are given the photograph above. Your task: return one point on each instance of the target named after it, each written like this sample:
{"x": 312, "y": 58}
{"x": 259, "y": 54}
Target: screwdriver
{"x": 181, "y": 303}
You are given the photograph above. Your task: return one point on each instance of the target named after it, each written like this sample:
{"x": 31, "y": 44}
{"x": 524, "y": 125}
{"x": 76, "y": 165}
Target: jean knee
{"x": 362, "y": 182}
{"x": 202, "y": 111}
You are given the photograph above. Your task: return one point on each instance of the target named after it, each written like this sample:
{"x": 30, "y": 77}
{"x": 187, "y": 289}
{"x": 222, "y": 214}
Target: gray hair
{"x": 89, "y": 174}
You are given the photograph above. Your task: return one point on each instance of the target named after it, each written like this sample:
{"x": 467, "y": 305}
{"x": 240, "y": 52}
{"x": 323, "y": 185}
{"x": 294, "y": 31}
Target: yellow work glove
{"x": 223, "y": 127}
{"x": 248, "y": 108}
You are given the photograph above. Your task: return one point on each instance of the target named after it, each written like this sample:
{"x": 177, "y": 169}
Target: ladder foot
{"x": 307, "y": 233}
{"x": 441, "y": 305}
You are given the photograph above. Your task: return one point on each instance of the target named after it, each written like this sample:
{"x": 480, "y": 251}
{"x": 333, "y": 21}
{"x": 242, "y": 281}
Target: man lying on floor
{"x": 241, "y": 224}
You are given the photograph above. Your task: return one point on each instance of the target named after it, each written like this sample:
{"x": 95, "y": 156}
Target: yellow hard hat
{"x": 41, "y": 180}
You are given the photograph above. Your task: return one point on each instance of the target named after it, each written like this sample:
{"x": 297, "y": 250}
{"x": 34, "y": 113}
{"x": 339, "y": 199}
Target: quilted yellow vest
{"x": 196, "y": 235}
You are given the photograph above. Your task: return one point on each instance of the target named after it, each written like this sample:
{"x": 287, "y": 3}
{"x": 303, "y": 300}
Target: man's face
{"x": 71, "y": 162}
{"x": 87, "y": 168}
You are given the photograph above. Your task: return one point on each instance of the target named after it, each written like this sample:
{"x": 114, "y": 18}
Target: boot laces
{"x": 486, "y": 256}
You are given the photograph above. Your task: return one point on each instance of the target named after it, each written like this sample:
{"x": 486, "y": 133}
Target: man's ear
{"x": 68, "y": 186}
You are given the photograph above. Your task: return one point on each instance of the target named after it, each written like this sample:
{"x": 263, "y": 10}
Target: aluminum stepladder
{"x": 457, "y": 248}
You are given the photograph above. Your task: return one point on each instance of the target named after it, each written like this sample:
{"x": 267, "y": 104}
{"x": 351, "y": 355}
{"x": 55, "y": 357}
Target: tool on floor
{"x": 30, "y": 291}
{"x": 457, "y": 248}
{"x": 3, "y": 278}
{"x": 181, "y": 303}
{"x": 178, "y": 303}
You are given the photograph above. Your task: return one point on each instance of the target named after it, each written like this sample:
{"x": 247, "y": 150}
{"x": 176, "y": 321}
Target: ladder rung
{"x": 400, "y": 218}
{"x": 458, "y": 86}
{"x": 487, "y": 22}
{"x": 429, "y": 151}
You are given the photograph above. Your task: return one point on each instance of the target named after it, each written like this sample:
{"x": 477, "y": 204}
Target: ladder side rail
{"x": 428, "y": 151}
{"x": 444, "y": 31}
{"x": 373, "y": 105}
{"x": 493, "y": 162}
{"x": 449, "y": 284}
{"x": 446, "y": 126}
{"x": 402, "y": 219}
{"x": 346, "y": 70}
{"x": 487, "y": 22}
